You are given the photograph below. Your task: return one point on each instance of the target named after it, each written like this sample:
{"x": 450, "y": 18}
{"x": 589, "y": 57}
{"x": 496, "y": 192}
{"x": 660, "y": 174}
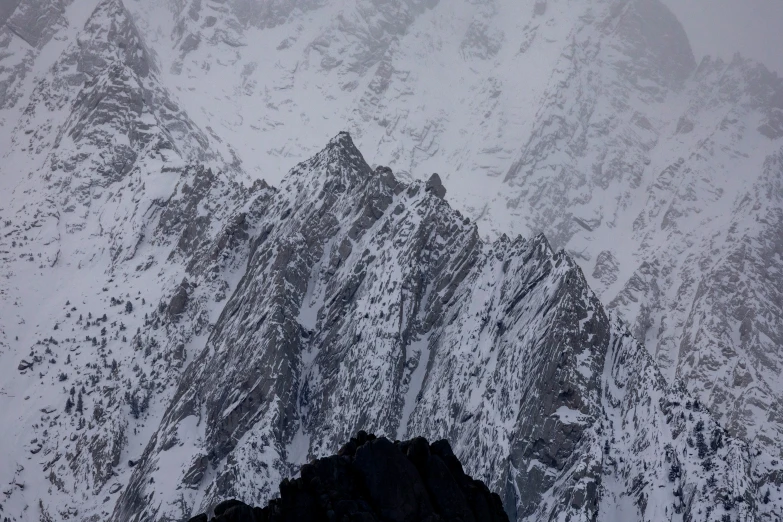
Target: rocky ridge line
{"x": 372, "y": 478}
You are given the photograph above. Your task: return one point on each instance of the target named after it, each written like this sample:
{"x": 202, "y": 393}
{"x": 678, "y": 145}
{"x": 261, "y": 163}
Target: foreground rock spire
{"x": 375, "y": 479}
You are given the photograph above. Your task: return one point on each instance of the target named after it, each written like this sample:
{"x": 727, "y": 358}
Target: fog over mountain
{"x": 725, "y": 27}
{"x": 235, "y": 233}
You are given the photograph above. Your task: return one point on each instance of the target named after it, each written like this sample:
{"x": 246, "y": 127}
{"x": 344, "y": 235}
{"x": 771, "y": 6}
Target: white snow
{"x": 299, "y": 448}
{"x": 567, "y": 415}
{"x": 417, "y": 351}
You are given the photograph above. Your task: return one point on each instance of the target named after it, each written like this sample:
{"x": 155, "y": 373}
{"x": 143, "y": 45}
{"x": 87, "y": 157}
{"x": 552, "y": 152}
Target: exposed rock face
{"x": 375, "y": 479}
{"x": 435, "y": 185}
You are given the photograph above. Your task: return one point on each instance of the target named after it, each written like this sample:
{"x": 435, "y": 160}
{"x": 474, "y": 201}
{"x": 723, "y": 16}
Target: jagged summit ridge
{"x": 349, "y": 287}
{"x": 112, "y": 128}
{"x": 339, "y": 159}
{"x": 111, "y": 35}
{"x": 590, "y": 122}
{"x": 376, "y": 306}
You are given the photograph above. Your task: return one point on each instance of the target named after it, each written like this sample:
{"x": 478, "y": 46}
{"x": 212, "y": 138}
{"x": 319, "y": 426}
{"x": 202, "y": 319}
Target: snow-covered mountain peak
{"x": 375, "y": 305}
{"x": 110, "y": 35}
{"x": 234, "y": 333}
{"x": 107, "y": 113}
{"x": 103, "y": 144}
{"x": 340, "y": 159}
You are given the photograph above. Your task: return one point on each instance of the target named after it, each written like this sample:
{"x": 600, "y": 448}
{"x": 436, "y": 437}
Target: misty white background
{"x": 722, "y": 27}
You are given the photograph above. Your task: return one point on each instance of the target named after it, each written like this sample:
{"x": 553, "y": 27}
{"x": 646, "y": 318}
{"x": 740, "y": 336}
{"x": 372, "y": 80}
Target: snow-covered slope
{"x": 110, "y": 199}
{"x": 703, "y": 295}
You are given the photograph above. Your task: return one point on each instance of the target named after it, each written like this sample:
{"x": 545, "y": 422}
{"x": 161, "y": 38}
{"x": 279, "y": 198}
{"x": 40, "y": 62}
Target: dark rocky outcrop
{"x": 435, "y": 185}
{"x": 376, "y": 479}
{"x": 178, "y": 301}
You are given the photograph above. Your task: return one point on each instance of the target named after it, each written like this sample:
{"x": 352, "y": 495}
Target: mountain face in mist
{"x": 591, "y": 123}
{"x": 175, "y": 331}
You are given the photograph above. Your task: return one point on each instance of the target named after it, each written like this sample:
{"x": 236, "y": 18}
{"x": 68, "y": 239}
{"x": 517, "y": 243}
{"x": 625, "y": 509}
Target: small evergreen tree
{"x": 716, "y": 441}
{"x": 128, "y": 307}
{"x": 79, "y": 403}
{"x": 701, "y": 446}
{"x": 68, "y": 405}
{"x": 97, "y": 413}
{"x": 134, "y": 405}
